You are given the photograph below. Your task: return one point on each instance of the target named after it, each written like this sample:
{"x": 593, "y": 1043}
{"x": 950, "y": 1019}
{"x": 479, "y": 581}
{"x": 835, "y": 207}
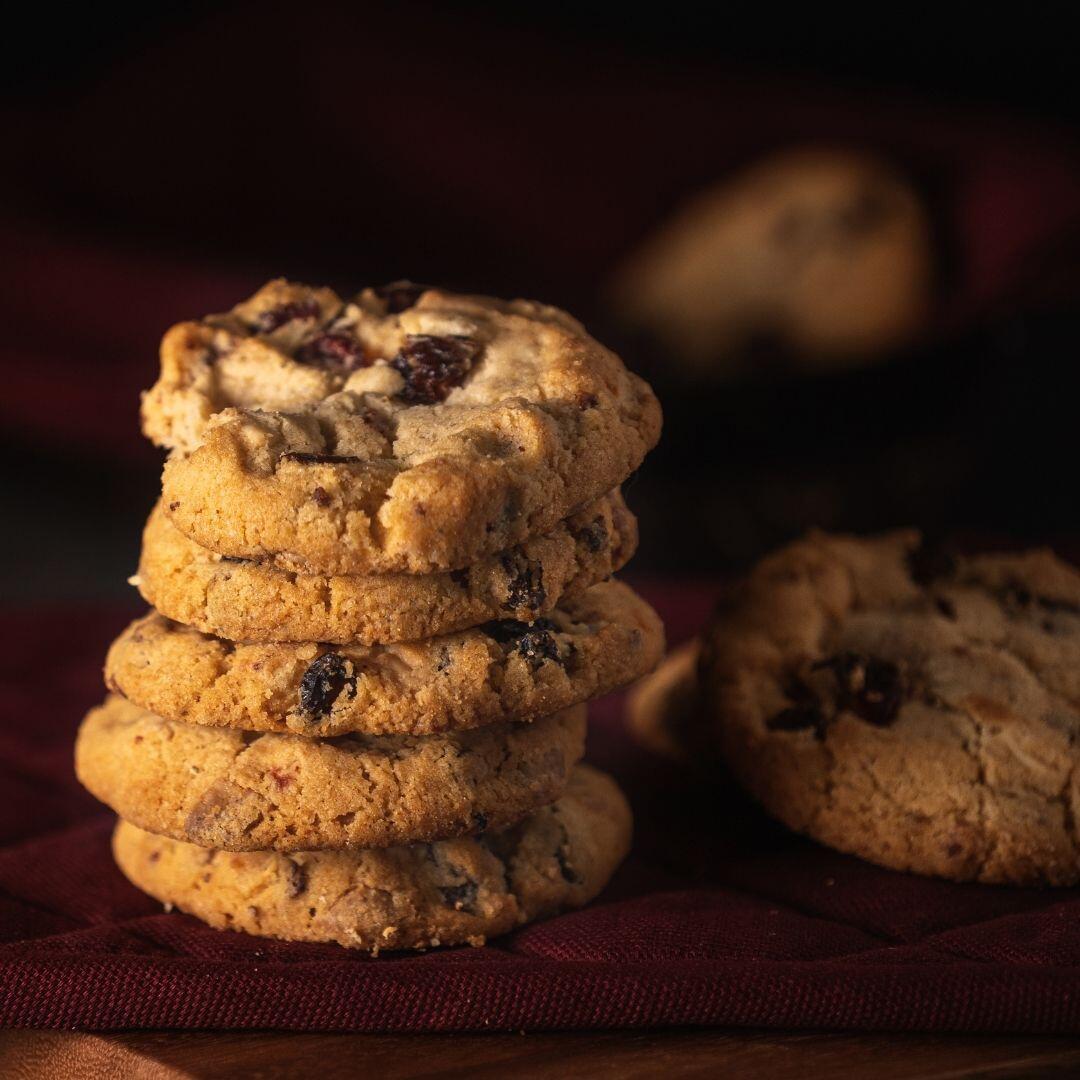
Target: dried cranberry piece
{"x": 594, "y": 535}
{"x": 871, "y": 688}
{"x": 526, "y": 586}
{"x": 323, "y": 683}
{"x": 534, "y": 641}
{"x": 334, "y": 352}
{"x": 266, "y": 322}
{"x": 305, "y": 458}
{"x": 433, "y": 366}
{"x": 400, "y": 295}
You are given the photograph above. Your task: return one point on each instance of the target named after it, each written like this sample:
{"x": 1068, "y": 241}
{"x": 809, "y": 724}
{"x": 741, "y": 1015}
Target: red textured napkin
{"x": 718, "y": 917}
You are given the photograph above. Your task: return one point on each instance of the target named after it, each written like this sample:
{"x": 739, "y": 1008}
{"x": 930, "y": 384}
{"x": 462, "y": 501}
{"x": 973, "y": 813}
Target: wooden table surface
{"x": 761, "y": 1055}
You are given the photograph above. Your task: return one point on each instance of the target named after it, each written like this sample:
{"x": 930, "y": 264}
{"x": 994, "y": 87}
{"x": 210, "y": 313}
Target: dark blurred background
{"x": 160, "y": 162}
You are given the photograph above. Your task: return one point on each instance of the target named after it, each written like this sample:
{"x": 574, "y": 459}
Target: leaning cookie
{"x": 663, "y": 709}
{"x": 923, "y": 714}
{"x": 406, "y": 431}
{"x": 452, "y": 892}
{"x": 243, "y": 791}
{"x": 255, "y": 601}
{"x": 604, "y": 638}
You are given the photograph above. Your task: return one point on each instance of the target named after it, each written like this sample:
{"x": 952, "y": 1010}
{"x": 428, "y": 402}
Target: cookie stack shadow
{"x": 385, "y": 758}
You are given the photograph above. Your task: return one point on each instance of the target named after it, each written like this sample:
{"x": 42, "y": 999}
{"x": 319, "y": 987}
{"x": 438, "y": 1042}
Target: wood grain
{"x": 734, "y": 1055}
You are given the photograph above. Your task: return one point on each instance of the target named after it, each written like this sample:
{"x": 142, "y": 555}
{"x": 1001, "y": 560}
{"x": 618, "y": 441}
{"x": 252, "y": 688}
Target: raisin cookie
{"x": 405, "y": 430}
{"x": 921, "y": 713}
{"x": 826, "y": 255}
{"x": 244, "y": 791}
{"x": 451, "y": 892}
{"x": 604, "y": 638}
{"x": 254, "y": 601}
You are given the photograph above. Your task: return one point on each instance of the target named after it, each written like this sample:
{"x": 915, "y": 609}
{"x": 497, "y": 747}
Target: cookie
{"x": 245, "y": 791}
{"x": 255, "y": 601}
{"x": 921, "y": 713}
{"x": 823, "y": 257}
{"x": 451, "y": 892}
{"x": 506, "y": 670}
{"x": 407, "y": 430}
{"x": 662, "y": 711}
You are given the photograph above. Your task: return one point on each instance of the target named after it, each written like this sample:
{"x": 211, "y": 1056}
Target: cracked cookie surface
{"x": 505, "y": 670}
{"x": 922, "y": 713}
{"x": 257, "y": 601}
{"x": 411, "y": 432}
{"x": 244, "y": 791}
{"x": 451, "y": 892}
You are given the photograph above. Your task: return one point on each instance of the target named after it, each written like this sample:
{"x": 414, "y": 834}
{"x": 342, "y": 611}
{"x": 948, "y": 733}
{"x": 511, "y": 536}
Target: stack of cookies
{"x": 380, "y": 576}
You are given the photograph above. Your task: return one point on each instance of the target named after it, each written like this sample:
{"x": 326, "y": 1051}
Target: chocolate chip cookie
{"x": 406, "y": 430}
{"x": 506, "y": 670}
{"x": 451, "y": 892}
{"x": 257, "y": 601}
{"x": 244, "y": 791}
{"x": 921, "y": 712}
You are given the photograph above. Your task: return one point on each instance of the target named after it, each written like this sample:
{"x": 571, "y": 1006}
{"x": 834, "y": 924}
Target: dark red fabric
{"x": 718, "y": 916}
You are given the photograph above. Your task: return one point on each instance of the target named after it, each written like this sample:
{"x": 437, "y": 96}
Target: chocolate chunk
{"x": 526, "y": 584}
{"x": 534, "y": 641}
{"x": 400, "y": 295}
{"x": 323, "y": 682}
{"x": 337, "y": 352}
{"x": 871, "y": 688}
{"x": 305, "y": 458}
{"x": 296, "y": 882}
{"x": 433, "y": 366}
{"x": 266, "y": 322}
{"x": 594, "y": 535}
{"x": 460, "y": 897}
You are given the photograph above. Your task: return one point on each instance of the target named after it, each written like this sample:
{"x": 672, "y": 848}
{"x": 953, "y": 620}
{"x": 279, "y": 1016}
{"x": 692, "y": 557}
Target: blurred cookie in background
{"x": 809, "y": 260}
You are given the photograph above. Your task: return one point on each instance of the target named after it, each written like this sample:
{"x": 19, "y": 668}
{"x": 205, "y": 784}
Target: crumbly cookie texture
{"x": 244, "y": 791}
{"x": 406, "y": 430}
{"x": 662, "y": 711}
{"x": 257, "y": 601}
{"x": 827, "y": 254}
{"x": 506, "y": 670}
{"x": 452, "y": 892}
{"x": 920, "y": 712}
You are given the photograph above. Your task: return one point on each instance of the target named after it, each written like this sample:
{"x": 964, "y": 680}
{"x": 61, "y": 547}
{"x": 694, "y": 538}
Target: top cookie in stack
{"x": 380, "y": 562}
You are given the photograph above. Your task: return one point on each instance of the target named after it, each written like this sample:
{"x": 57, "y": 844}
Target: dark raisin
{"x": 945, "y": 607}
{"x": 930, "y": 562}
{"x": 334, "y": 352}
{"x": 594, "y": 535}
{"x": 433, "y": 366}
{"x": 297, "y": 881}
{"x": 1016, "y": 595}
{"x": 526, "y": 585}
{"x": 460, "y": 897}
{"x": 266, "y": 322}
{"x": 400, "y": 295}
{"x": 323, "y": 682}
{"x": 587, "y": 401}
{"x": 321, "y": 496}
{"x": 233, "y": 558}
{"x": 533, "y": 641}
{"x": 480, "y": 822}
{"x": 797, "y": 718}
{"x": 461, "y": 578}
{"x": 443, "y": 662}
{"x": 305, "y": 458}
{"x": 871, "y": 688}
